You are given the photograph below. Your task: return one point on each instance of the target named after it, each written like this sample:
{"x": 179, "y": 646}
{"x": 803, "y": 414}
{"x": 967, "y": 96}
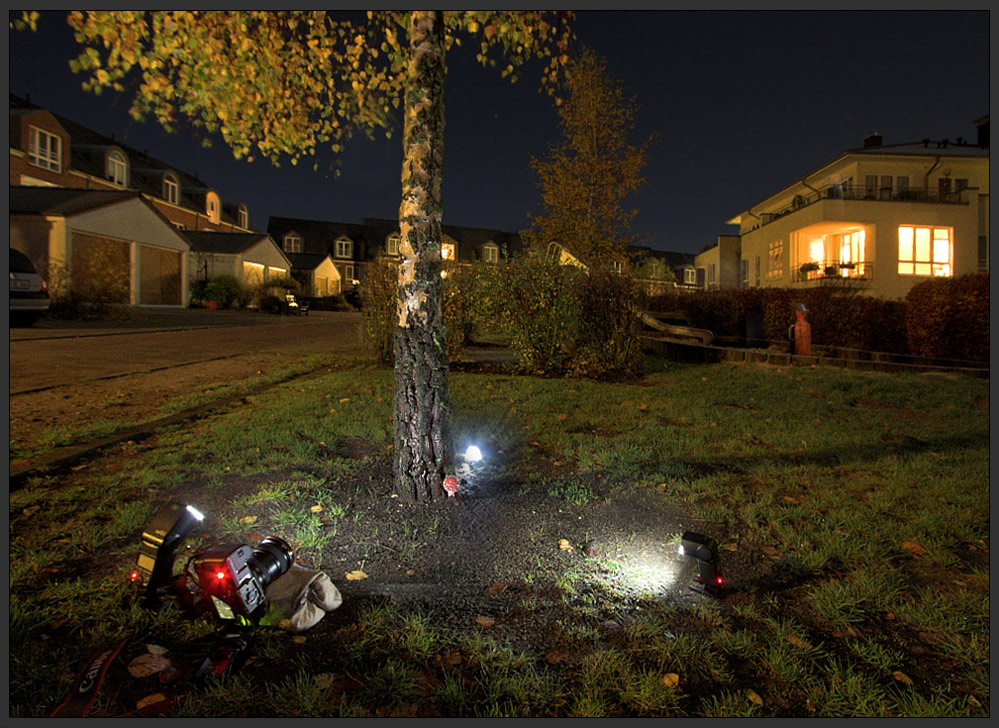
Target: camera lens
{"x": 272, "y": 557}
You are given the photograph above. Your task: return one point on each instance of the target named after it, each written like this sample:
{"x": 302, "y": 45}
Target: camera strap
{"x": 87, "y": 684}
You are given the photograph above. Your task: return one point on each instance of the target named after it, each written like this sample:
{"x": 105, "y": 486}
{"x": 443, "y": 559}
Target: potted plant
{"x": 809, "y": 268}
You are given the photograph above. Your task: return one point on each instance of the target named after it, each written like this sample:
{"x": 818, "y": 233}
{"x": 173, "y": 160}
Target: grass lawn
{"x": 851, "y": 509}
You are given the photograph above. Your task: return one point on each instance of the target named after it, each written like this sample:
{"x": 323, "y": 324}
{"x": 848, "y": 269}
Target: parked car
{"x": 29, "y": 296}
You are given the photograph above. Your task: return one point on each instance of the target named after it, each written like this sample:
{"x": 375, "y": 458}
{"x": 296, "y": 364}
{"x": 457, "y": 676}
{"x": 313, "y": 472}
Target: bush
{"x": 100, "y": 289}
{"x": 223, "y": 289}
{"x": 949, "y": 318}
{"x": 336, "y": 302}
{"x": 561, "y": 320}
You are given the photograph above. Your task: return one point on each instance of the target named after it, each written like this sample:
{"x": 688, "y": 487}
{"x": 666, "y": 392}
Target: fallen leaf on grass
{"x": 344, "y": 399}
{"x": 564, "y": 545}
{"x": 754, "y": 697}
{"x": 30, "y": 511}
{"x": 902, "y": 677}
{"x": 973, "y": 702}
{"x": 356, "y": 575}
{"x": 730, "y": 546}
{"x": 485, "y": 621}
{"x": 248, "y": 520}
{"x": 298, "y": 639}
{"x": 324, "y": 680}
{"x": 145, "y": 665}
{"x": 150, "y": 699}
{"x": 912, "y": 548}
{"x": 496, "y": 589}
{"x": 770, "y": 551}
{"x": 451, "y": 659}
{"x": 799, "y": 642}
{"x": 790, "y": 499}
{"x": 316, "y": 508}
{"x": 555, "y": 657}
{"x": 156, "y": 650}
{"x": 671, "y": 680}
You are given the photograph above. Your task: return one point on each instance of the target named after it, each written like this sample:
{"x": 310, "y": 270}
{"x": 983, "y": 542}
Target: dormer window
{"x": 213, "y": 207}
{"x": 292, "y": 243}
{"x": 447, "y": 251}
{"x": 44, "y": 150}
{"x": 344, "y": 248}
{"x": 171, "y": 189}
{"x": 392, "y": 244}
{"x": 117, "y": 168}
{"x": 617, "y": 266}
{"x": 490, "y": 253}
{"x": 244, "y": 216}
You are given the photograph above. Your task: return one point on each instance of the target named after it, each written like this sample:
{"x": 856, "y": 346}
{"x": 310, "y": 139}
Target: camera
{"x": 232, "y": 578}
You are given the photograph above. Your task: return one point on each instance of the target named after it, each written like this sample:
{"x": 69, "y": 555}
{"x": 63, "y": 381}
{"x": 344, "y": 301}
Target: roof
{"x": 306, "y": 261}
{"x": 65, "y": 201}
{"x": 87, "y": 149}
{"x": 209, "y": 241}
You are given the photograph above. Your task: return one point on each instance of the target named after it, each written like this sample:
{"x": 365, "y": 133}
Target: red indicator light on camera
{"x": 134, "y": 576}
{"x": 220, "y": 575}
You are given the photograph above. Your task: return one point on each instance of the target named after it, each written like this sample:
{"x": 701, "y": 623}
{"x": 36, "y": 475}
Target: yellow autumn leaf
{"x": 485, "y": 621}
{"x": 316, "y": 508}
{"x": 754, "y": 697}
{"x": 671, "y": 680}
{"x": 564, "y": 544}
{"x": 356, "y": 575}
{"x": 248, "y": 520}
{"x": 150, "y": 700}
{"x": 902, "y": 677}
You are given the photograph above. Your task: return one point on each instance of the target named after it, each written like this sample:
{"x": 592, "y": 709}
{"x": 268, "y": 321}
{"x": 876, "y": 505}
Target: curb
{"x": 679, "y": 350}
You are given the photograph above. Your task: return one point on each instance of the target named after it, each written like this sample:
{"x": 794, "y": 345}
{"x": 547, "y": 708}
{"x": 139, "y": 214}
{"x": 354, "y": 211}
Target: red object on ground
{"x": 451, "y": 485}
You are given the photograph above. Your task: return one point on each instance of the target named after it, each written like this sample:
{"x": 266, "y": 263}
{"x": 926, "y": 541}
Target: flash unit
{"x": 159, "y": 542}
{"x": 704, "y": 550}
{"x": 473, "y": 454}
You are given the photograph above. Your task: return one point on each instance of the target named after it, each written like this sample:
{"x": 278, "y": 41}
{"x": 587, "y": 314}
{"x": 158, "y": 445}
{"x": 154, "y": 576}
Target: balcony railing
{"x": 835, "y": 273}
{"x": 879, "y": 194}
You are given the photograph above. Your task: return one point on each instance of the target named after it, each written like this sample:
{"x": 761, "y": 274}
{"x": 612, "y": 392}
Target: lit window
{"x": 852, "y": 253}
{"x": 117, "y": 168}
{"x": 171, "y": 189}
{"x": 244, "y": 217}
{"x": 775, "y": 265}
{"x": 447, "y": 251}
{"x": 925, "y": 251}
{"x": 711, "y": 273}
{"x": 45, "y": 150}
{"x": 817, "y": 250}
{"x": 292, "y": 243}
{"x": 212, "y": 207}
{"x": 490, "y": 254}
{"x": 348, "y": 272}
{"x": 689, "y": 276}
{"x": 743, "y": 272}
{"x": 617, "y": 266}
{"x": 392, "y": 245}
{"x": 345, "y": 249}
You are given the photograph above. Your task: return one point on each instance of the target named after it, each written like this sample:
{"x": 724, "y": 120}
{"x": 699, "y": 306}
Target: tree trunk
{"x": 422, "y": 402}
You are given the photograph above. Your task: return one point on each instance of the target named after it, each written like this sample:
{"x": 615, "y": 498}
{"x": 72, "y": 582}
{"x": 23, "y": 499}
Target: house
{"x": 78, "y": 237}
{"x": 113, "y": 204}
{"x": 251, "y": 258}
{"x": 877, "y": 220}
{"x": 349, "y": 246}
{"x": 718, "y": 265}
{"x": 317, "y": 273}
{"x": 47, "y": 149}
{"x": 352, "y": 247}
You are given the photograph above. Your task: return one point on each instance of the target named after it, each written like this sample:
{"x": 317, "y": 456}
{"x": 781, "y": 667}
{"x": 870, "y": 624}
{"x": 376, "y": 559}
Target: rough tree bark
{"x": 422, "y": 406}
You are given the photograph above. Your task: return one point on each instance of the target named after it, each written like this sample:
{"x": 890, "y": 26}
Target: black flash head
{"x": 159, "y": 544}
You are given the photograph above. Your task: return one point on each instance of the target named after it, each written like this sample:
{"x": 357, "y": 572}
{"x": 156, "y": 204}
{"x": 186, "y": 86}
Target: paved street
{"x": 54, "y": 352}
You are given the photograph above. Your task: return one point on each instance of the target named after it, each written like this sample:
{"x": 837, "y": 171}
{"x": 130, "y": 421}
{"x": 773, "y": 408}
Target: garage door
{"x": 159, "y": 277}
{"x": 100, "y": 268}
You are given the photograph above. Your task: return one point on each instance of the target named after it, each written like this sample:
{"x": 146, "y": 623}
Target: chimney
{"x": 872, "y": 140}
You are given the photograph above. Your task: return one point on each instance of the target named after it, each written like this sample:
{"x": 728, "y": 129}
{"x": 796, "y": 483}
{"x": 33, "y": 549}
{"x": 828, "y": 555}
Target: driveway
{"x": 55, "y": 353}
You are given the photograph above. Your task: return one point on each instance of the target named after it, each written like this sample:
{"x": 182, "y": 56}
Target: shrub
{"x": 335, "y": 302}
{"x": 196, "y": 289}
{"x": 98, "y": 289}
{"x": 223, "y": 289}
{"x": 949, "y": 318}
{"x": 561, "y": 320}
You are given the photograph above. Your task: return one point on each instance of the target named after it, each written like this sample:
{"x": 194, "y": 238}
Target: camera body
{"x": 236, "y": 576}
{"x": 232, "y": 578}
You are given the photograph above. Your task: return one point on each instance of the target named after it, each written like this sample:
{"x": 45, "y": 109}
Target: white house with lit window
{"x": 877, "y": 219}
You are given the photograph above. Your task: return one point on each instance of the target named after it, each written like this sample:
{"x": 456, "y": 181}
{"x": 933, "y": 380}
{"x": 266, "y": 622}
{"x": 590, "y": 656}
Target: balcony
{"x": 834, "y": 274}
{"x": 880, "y": 194}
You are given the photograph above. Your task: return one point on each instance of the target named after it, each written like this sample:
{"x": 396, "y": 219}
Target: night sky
{"x": 743, "y": 103}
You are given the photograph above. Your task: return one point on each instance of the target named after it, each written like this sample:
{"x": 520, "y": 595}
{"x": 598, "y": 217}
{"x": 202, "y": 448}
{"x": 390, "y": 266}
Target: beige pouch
{"x": 304, "y": 596}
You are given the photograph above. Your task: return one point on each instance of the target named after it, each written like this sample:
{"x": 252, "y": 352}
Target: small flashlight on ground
{"x": 704, "y": 550}
{"x": 473, "y": 454}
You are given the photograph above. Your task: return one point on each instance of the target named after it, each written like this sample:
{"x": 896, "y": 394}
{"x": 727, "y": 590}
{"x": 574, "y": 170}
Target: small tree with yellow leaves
{"x": 282, "y": 84}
